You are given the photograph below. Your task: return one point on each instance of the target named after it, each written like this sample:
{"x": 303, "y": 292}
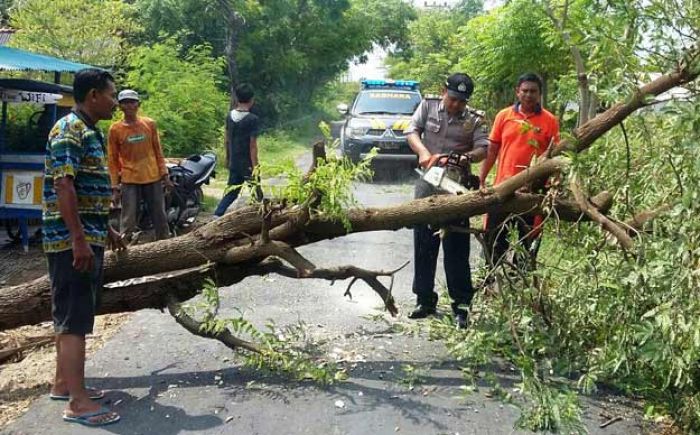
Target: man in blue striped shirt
{"x": 77, "y": 194}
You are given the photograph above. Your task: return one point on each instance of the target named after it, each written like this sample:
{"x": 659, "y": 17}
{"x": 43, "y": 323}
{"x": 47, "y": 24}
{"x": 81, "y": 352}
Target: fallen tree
{"x": 261, "y": 239}
{"x": 228, "y": 256}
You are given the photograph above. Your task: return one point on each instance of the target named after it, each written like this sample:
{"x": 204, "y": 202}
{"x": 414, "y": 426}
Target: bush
{"x": 182, "y": 95}
{"x": 595, "y": 313}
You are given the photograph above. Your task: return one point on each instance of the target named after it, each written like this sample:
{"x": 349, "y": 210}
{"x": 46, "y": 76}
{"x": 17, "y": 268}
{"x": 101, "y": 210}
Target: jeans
{"x": 235, "y": 179}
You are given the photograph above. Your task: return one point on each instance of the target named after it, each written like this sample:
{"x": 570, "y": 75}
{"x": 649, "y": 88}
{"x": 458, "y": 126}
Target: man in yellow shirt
{"x": 137, "y": 167}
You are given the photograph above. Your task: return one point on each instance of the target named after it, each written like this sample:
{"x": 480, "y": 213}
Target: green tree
{"x": 426, "y": 57}
{"x": 182, "y": 94}
{"x": 469, "y": 8}
{"x": 289, "y": 49}
{"x": 590, "y": 310}
{"x": 88, "y": 31}
{"x": 194, "y": 22}
{"x": 616, "y": 45}
{"x": 499, "y": 46}
{"x": 5, "y": 6}
{"x": 494, "y": 48}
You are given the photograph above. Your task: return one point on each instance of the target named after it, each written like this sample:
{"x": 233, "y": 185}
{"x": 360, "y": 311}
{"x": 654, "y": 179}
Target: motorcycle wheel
{"x": 196, "y": 198}
{"x": 199, "y": 200}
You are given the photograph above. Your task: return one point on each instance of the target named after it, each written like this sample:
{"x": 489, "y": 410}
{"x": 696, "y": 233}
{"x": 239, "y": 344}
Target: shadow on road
{"x": 373, "y": 385}
{"x": 146, "y": 415}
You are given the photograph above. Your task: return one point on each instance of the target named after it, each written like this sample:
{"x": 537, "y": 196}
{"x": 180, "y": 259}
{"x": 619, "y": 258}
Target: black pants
{"x": 498, "y": 226}
{"x": 75, "y": 296}
{"x": 455, "y": 249}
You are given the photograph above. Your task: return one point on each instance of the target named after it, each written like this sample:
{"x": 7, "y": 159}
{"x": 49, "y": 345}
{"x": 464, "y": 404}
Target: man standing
{"x": 437, "y": 127}
{"x": 242, "y": 127}
{"x": 137, "y": 167}
{"x": 75, "y": 231}
{"x": 519, "y": 134}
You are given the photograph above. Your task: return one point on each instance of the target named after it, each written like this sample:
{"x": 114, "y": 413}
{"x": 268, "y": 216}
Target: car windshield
{"x": 387, "y": 101}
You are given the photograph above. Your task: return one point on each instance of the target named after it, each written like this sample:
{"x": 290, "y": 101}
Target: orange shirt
{"x": 520, "y": 138}
{"x": 135, "y": 154}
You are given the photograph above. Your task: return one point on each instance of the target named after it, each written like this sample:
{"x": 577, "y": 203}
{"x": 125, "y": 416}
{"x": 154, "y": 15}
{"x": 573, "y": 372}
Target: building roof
{"x": 34, "y": 86}
{"x": 14, "y": 59}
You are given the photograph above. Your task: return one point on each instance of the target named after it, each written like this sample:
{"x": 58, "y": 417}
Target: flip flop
{"x": 84, "y": 419}
{"x": 96, "y": 395}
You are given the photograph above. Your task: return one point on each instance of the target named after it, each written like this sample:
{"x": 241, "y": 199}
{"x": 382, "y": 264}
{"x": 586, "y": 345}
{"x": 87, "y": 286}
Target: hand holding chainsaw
{"x": 427, "y": 160}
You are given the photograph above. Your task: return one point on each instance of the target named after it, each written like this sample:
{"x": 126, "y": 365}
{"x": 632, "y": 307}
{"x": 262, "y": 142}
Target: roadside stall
{"x": 23, "y": 139}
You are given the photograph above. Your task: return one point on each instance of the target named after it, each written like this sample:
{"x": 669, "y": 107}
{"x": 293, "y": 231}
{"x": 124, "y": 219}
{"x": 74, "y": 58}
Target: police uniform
{"x": 442, "y": 133}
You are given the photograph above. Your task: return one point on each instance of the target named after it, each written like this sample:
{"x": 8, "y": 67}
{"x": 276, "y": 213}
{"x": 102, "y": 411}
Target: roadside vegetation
{"x": 591, "y": 316}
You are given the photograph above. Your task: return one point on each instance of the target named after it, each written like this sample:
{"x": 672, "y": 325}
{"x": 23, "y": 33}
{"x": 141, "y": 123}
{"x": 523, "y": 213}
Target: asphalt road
{"x": 165, "y": 381}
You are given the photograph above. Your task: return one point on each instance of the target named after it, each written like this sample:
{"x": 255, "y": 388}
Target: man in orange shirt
{"x": 519, "y": 134}
{"x": 137, "y": 167}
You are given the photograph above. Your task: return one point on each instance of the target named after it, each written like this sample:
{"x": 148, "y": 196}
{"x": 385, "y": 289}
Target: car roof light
{"x": 390, "y": 84}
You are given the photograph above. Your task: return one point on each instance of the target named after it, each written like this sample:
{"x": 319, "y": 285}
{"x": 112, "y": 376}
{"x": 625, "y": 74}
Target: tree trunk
{"x": 31, "y": 303}
{"x": 234, "y": 23}
{"x": 584, "y": 90}
{"x": 586, "y": 134}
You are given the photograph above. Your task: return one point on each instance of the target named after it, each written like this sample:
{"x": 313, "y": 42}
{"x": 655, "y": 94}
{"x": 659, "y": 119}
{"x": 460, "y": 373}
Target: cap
{"x": 128, "y": 94}
{"x": 459, "y": 86}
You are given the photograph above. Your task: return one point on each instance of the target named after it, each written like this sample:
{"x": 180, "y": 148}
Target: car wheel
{"x": 354, "y": 157}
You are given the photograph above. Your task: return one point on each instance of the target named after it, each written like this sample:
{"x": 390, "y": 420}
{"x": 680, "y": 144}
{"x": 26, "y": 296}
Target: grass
{"x": 289, "y": 139}
{"x": 279, "y": 146}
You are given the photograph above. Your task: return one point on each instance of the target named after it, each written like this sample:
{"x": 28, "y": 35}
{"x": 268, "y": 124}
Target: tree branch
{"x": 637, "y": 223}
{"x": 305, "y": 269}
{"x": 585, "y": 99}
{"x": 597, "y": 216}
{"x": 586, "y": 134}
{"x": 195, "y": 327}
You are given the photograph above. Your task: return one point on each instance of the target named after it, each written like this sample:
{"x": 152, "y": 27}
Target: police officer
{"x": 439, "y": 126}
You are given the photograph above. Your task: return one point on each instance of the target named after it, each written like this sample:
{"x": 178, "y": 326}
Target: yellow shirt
{"x": 135, "y": 154}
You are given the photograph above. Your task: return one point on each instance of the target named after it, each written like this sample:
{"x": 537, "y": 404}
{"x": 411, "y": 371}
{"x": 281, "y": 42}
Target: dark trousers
{"x": 455, "y": 249}
{"x": 235, "y": 184}
{"x": 498, "y": 226}
{"x": 75, "y": 296}
{"x": 152, "y": 196}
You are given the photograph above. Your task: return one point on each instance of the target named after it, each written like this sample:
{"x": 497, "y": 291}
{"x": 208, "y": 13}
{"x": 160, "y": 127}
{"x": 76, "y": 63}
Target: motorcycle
{"x": 184, "y": 200}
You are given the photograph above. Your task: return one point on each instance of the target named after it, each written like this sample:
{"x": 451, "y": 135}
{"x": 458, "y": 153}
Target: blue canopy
{"x": 14, "y": 59}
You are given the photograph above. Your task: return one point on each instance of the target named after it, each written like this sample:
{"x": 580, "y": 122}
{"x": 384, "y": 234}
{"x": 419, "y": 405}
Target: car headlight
{"x": 355, "y": 132}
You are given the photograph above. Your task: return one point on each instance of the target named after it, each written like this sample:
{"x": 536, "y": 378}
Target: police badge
{"x": 469, "y": 123}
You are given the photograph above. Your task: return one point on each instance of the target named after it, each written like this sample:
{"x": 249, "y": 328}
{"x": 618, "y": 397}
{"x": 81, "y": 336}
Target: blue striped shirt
{"x": 76, "y": 149}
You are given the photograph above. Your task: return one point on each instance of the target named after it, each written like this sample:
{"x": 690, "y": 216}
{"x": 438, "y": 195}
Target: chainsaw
{"x": 451, "y": 173}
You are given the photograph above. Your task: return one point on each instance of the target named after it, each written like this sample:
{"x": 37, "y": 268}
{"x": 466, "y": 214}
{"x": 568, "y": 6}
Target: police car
{"x": 381, "y": 111}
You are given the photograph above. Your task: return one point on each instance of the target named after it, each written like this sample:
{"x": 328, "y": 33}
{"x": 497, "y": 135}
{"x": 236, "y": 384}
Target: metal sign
{"x": 16, "y": 96}
{"x": 22, "y": 189}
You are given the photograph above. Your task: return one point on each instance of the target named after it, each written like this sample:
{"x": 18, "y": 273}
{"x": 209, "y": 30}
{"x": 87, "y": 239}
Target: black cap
{"x": 459, "y": 86}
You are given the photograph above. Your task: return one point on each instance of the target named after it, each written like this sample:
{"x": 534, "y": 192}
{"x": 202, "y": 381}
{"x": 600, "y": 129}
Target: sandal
{"x": 94, "y": 394}
{"x": 87, "y": 418}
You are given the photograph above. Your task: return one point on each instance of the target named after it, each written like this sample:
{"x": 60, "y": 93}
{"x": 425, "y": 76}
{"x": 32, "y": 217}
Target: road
{"x": 165, "y": 381}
